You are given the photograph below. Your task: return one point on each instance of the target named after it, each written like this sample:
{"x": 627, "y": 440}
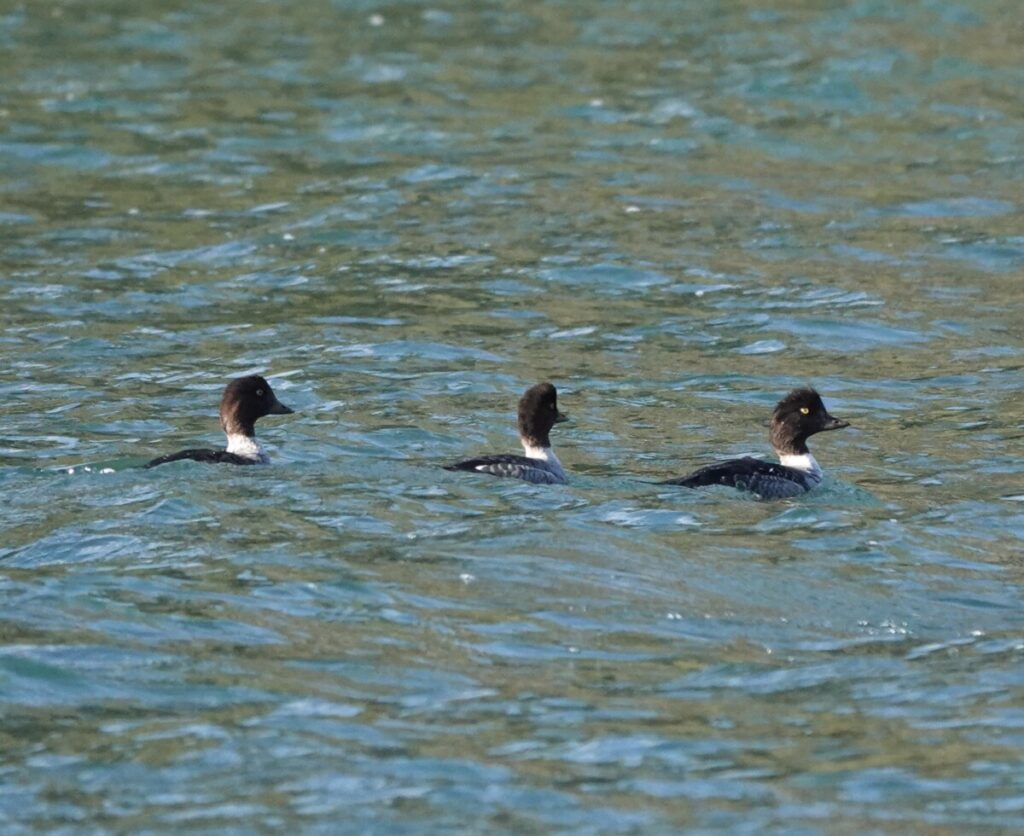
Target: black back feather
{"x": 763, "y": 478}
{"x": 203, "y": 455}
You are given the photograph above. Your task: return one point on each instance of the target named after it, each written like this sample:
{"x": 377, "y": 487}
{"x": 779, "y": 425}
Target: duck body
{"x": 537, "y": 414}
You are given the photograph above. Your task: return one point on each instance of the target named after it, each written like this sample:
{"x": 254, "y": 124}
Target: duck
{"x": 537, "y": 414}
{"x": 798, "y": 416}
{"x": 244, "y": 402}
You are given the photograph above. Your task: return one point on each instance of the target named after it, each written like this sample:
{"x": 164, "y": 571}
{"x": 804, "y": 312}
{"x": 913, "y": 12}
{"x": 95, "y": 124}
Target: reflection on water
{"x": 404, "y": 214}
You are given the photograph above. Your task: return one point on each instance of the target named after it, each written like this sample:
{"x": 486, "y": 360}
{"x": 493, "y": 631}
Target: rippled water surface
{"x": 404, "y": 214}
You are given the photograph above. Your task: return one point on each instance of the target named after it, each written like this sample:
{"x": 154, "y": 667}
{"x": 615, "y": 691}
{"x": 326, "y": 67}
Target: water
{"x": 404, "y": 214}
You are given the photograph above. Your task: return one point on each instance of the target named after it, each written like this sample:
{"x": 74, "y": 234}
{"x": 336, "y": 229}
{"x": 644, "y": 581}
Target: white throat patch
{"x": 247, "y": 447}
{"x": 543, "y": 454}
{"x": 802, "y": 461}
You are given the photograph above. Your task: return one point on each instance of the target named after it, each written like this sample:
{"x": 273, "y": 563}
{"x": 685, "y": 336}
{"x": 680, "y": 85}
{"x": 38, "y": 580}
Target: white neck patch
{"x": 247, "y": 447}
{"x": 801, "y": 461}
{"x": 543, "y": 454}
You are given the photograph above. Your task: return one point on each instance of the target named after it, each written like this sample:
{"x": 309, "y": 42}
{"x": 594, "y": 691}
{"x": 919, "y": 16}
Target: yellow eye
{"x": 804, "y": 410}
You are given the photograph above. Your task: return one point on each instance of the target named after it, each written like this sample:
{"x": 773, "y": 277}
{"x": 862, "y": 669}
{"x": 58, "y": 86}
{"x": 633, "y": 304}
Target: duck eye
{"x": 804, "y": 410}
{"x": 259, "y": 393}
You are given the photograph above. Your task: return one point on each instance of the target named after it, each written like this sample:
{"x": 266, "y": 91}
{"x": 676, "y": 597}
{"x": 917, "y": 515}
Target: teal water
{"x": 404, "y": 214}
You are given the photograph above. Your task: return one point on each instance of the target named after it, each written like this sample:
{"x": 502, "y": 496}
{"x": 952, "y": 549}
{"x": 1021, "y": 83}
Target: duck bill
{"x": 278, "y": 408}
{"x": 832, "y": 423}
{"x": 561, "y": 417}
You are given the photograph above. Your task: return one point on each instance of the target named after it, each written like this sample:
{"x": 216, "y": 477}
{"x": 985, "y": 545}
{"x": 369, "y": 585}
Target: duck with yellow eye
{"x": 797, "y": 416}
